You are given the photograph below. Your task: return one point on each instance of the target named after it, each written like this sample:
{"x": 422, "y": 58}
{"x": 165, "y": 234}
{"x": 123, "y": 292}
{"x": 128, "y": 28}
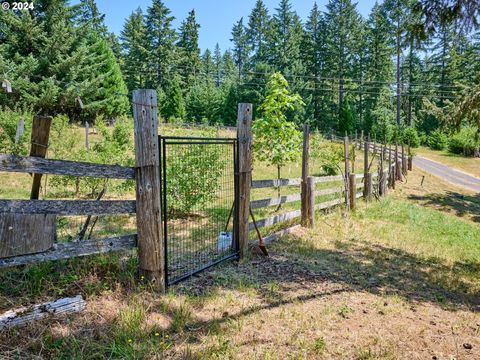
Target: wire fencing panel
{"x": 198, "y": 197}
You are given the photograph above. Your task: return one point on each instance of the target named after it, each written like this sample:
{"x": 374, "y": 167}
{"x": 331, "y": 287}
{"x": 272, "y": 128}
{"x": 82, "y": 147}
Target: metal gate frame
{"x": 163, "y": 141}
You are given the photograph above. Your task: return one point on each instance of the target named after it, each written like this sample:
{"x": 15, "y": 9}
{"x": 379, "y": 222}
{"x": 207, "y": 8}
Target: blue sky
{"x": 216, "y": 17}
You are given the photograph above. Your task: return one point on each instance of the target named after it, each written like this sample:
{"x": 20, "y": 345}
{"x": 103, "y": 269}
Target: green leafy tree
{"x": 277, "y": 140}
{"x": 175, "y": 103}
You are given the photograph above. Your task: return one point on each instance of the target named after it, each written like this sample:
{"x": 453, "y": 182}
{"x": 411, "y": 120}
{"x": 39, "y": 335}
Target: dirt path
{"x": 447, "y": 173}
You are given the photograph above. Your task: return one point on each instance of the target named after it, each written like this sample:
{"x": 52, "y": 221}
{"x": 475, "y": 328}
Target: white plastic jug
{"x": 224, "y": 241}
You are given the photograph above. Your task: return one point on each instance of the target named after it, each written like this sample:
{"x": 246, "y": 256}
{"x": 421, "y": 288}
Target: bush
{"x": 410, "y": 136}
{"x": 437, "y": 140}
{"x": 327, "y": 154}
{"x": 9, "y": 120}
{"x": 194, "y": 177}
{"x": 465, "y": 142}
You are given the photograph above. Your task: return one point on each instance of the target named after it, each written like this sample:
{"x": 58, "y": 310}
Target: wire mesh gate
{"x": 199, "y": 192}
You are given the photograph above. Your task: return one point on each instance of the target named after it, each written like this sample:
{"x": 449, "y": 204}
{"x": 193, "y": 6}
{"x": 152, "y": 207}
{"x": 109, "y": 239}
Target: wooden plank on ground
{"x": 68, "y": 207}
{"x": 51, "y": 309}
{"x": 258, "y": 184}
{"x": 257, "y": 204}
{"x": 74, "y": 249}
{"x": 278, "y": 234}
{"x": 28, "y": 164}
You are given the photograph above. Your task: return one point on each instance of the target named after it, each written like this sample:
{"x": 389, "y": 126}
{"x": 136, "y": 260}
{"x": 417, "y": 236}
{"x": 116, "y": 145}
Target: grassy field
{"x": 397, "y": 279}
{"x": 466, "y": 164}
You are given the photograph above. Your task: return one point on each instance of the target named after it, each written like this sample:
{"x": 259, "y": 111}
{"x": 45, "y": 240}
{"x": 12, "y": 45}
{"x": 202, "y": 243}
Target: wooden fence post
{"x": 305, "y": 206}
{"x": 404, "y": 160}
{"x": 381, "y": 175}
{"x": 347, "y": 171}
{"x": 398, "y": 164}
{"x": 353, "y": 191}
{"x": 151, "y": 249}
{"x": 309, "y": 203}
{"x": 244, "y": 134}
{"x": 365, "y": 168}
{"x": 369, "y": 184}
{"x": 40, "y": 135}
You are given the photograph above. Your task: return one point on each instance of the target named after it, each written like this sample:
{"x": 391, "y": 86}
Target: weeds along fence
{"x": 28, "y": 227}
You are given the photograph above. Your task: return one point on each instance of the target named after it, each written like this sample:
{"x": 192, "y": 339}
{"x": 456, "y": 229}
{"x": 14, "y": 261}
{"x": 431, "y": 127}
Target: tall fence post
{"x": 347, "y": 171}
{"x": 352, "y": 191}
{"x": 398, "y": 164}
{"x": 369, "y": 186}
{"x": 40, "y": 135}
{"x": 404, "y": 160}
{"x": 365, "y": 167}
{"x": 244, "y": 134}
{"x": 305, "y": 198}
{"x": 151, "y": 247}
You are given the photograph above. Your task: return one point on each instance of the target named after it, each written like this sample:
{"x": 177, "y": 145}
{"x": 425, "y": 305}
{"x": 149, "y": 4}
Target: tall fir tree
{"x": 135, "y": 50}
{"x": 258, "y": 32}
{"x": 241, "y": 48}
{"x": 189, "y": 61}
{"x": 161, "y": 37}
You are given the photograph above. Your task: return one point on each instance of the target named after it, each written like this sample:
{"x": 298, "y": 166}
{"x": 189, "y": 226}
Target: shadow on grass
{"x": 460, "y": 204}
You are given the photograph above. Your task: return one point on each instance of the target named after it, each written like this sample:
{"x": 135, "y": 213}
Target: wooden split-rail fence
{"x": 28, "y": 227}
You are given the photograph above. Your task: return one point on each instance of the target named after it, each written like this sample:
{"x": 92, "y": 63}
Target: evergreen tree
{"x": 314, "y": 52}
{"x": 134, "y": 51}
{"x": 208, "y": 65}
{"x": 286, "y": 38}
{"x": 189, "y": 61}
{"x": 258, "y": 32}
{"x": 175, "y": 104}
{"x": 161, "y": 37}
{"x": 241, "y": 49}
{"x": 343, "y": 23}
{"x": 217, "y": 64}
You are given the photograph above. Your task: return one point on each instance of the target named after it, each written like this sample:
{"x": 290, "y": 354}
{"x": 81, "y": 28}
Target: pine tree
{"x": 161, "y": 37}
{"x": 343, "y": 23}
{"x": 189, "y": 62}
{"x": 175, "y": 104}
{"x": 258, "y": 31}
{"x": 379, "y": 53}
{"x": 314, "y": 52}
{"x": 134, "y": 50}
{"x": 286, "y": 38}
{"x": 217, "y": 64}
{"x": 241, "y": 49}
{"x": 208, "y": 65}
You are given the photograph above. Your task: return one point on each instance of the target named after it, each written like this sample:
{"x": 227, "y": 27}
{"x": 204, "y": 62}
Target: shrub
{"x": 194, "y": 177}
{"x": 466, "y": 142}
{"x": 437, "y": 140}
{"x": 9, "y": 120}
{"x": 327, "y": 154}
{"x": 410, "y": 136}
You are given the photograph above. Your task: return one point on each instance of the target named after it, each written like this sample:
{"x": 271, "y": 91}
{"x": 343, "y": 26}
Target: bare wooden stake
{"x": 20, "y": 130}
{"x": 369, "y": 185}
{"x": 365, "y": 167}
{"x": 244, "y": 134}
{"x": 305, "y": 172}
{"x": 151, "y": 249}
{"x": 353, "y": 191}
{"x": 347, "y": 171}
{"x": 40, "y": 135}
{"x": 86, "y": 135}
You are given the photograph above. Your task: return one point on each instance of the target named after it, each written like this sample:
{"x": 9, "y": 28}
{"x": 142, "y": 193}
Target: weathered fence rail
{"x": 68, "y": 207}
{"x": 29, "y": 164}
